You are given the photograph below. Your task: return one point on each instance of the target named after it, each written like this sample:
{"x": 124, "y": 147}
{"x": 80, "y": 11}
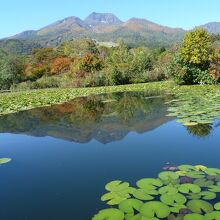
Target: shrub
{"x": 184, "y": 73}
{"x": 48, "y": 82}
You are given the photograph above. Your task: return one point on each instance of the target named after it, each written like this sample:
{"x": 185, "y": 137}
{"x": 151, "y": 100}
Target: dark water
{"x": 64, "y": 155}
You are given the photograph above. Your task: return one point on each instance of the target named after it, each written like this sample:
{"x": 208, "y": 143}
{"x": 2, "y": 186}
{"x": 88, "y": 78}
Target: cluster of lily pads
{"x": 195, "y": 107}
{"x": 185, "y": 193}
{"x": 24, "y": 100}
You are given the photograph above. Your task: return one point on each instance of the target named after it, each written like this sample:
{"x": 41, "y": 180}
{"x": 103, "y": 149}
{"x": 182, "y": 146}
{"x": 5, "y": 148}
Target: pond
{"x": 64, "y": 155}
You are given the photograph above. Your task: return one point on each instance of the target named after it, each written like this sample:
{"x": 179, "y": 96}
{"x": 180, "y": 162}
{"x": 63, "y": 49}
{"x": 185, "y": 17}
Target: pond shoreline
{"x": 24, "y": 100}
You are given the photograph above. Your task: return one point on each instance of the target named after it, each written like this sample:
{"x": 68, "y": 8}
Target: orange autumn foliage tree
{"x": 61, "y": 65}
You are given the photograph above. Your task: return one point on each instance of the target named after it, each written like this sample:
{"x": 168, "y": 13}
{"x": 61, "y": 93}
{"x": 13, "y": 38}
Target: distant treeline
{"x": 86, "y": 63}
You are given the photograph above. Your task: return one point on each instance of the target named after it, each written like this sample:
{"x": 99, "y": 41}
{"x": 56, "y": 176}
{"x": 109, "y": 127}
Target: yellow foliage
{"x": 196, "y": 47}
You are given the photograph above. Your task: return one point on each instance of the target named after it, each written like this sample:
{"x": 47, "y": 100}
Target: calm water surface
{"x": 65, "y": 154}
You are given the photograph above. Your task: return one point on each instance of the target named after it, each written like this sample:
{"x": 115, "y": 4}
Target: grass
{"x": 20, "y": 101}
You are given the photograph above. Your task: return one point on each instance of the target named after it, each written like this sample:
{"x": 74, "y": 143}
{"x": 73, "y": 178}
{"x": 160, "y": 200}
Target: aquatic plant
{"x": 5, "y": 160}
{"x": 195, "y": 107}
{"x": 165, "y": 197}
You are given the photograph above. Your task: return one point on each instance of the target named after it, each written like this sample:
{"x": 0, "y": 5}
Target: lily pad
{"x": 177, "y": 208}
{"x": 200, "y": 168}
{"x": 142, "y": 194}
{"x": 116, "y": 185}
{"x": 168, "y": 175}
{"x": 212, "y": 171}
{"x": 130, "y": 205}
{"x": 149, "y": 182}
{"x": 115, "y": 198}
{"x": 195, "y": 174}
{"x": 217, "y": 206}
{"x": 206, "y": 195}
{"x": 5, "y": 160}
{"x": 213, "y": 216}
{"x": 203, "y": 182}
{"x": 194, "y": 216}
{"x": 188, "y": 188}
{"x": 193, "y": 196}
{"x": 214, "y": 188}
{"x": 173, "y": 199}
{"x": 186, "y": 167}
{"x": 109, "y": 214}
{"x": 138, "y": 217}
{"x": 199, "y": 206}
{"x": 168, "y": 190}
{"x": 155, "y": 209}
{"x": 181, "y": 173}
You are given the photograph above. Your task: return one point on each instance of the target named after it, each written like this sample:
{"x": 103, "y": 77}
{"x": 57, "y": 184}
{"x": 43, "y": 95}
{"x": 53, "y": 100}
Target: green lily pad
{"x": 213, "y": 216}
{"x": 148, "y": 182}
{"x": 195, "y": 174}
{"x": 217, "y": 206}
{"x": 177, "y": 208}
{"x": 130, "y": 205}
{"x": 181, "y": 173}
{"x": 109, "y": 214}
{"x": 114, "y": 198}
{"x": 214, "y": 178}
{"x": 194, "y": 217}
{"x": 206, "y": 195}
{"x": 173, "y": 199}
{"x": 138, "y": 217}
{"x": 155, "y": 209}
{"x": 199, "y": 206}
{"x": 116, "y": 185}
{"x": 5, "y": 160}
{"x": 186, "y": 168}
{"x": 142, "y": 194}
{"x": 214, "y": 188}
{"x": 188, "y": 188}
{"x": 168, "y": 190}
{"x": 212, "y": 171}
{"x": 200, "y": 168}
{"x": 119, "y": 191}
{"x": 173, "y": 217}
{"x": 193, "y": 196}
{"x": 168, "y": 175}
{"x": 203, "y": 182}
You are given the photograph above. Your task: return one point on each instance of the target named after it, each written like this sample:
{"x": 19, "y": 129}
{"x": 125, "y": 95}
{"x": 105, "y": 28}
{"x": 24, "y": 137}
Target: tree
{"x": 78, "y": 48}
{"x": 61, "y": 65}
{"x": 196, "y": 48}
{"x": 192, "y": 63}
{"x": 11, "y": 69}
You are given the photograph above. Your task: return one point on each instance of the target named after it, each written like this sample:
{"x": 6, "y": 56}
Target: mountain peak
{"x": 95, "y": 19}
{"x": 212, "y": 27}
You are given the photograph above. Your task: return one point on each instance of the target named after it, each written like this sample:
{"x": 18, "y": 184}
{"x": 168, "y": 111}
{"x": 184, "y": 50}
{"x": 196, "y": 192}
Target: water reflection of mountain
{"x": 105, "y": 118}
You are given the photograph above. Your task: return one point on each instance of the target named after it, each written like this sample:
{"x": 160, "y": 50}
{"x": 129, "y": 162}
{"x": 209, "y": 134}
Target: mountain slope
{"x": 212, "y": 27}
{"x": 102, "y": 27}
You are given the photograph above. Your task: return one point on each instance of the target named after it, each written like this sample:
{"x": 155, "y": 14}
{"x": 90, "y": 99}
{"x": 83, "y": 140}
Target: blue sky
{"x": 19, "y": 15}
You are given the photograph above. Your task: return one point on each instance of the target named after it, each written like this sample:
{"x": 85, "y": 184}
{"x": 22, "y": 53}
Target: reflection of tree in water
{"x": 106, "y": 117}
{"x": 200, "y": 130}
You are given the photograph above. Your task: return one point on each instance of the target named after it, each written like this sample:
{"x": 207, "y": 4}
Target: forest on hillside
{"x": 87, "y": 63}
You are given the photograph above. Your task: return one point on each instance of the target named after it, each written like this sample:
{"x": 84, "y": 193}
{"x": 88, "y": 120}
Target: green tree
{"x": 196, "y": 48}
{"x": 11, "y": 69}
{"x": 78, "y": 48}
{"x": 192, "y": 63}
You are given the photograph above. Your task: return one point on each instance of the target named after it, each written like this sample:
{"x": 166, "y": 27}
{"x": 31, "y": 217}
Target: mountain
{"x": 212, "y": 27}
{"x": 143, "y": 25}
{"x": 103, "y": 19}
{"x": 102, "y": 27}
